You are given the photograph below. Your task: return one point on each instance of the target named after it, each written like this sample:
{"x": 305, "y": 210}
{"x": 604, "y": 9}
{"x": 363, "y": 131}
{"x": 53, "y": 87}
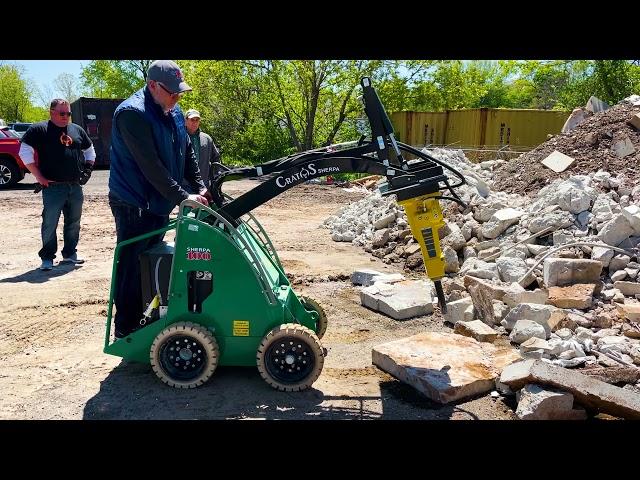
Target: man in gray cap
{"x": 206, "y": 150}
{"x": 151, "y": 156}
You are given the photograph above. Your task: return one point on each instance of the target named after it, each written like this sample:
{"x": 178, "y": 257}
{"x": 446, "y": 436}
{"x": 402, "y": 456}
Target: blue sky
{"x": 43, "y": 72}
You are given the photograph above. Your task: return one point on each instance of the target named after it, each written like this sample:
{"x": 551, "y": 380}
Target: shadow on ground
{"x": 38, "y": 276}
{"x": 133, "y": 392}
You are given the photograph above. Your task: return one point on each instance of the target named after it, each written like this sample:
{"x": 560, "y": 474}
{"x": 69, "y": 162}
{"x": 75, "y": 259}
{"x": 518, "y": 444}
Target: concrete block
{"x": 476, "y": 329}
{"x": 635, "y": 121}
{"x": 578, "y": 296}
{"x": 546, "y": 315}
{"x": 627, "y": 288}
{"x": 538, "y": 403}
{"x": 459, "y": 311}
{"x": 445, "y": 367}
{"x": 567, "y": 271}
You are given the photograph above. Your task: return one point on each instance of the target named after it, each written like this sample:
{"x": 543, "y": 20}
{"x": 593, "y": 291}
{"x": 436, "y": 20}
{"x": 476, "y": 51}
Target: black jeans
{"x": 130, "y": 222}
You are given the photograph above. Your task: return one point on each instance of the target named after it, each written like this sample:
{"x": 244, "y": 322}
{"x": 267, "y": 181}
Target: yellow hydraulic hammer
{"x": 425, "y": 219}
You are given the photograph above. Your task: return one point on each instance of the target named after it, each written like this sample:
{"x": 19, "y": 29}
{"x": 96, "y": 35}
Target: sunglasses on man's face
{"x": 63, "y": 114}
{"x": 174, "y": 95}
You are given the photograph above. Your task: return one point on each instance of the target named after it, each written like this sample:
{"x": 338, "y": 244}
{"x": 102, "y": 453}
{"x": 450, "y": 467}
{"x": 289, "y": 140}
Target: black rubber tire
{"x": 190, "y": 333}
{"x": 9, "y": 173}
{"x": 323, "y": 322}
{"x": 300, "y": 339}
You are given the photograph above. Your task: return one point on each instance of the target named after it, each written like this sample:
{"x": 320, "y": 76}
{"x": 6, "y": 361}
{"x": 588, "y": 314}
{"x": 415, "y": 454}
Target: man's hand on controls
{"x": 199, "y": 198}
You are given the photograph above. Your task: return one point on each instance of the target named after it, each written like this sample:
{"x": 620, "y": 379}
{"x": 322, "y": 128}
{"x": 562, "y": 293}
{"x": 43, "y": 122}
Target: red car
{"x": 12, "y": 169}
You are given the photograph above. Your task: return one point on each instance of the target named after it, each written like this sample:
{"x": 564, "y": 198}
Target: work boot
{"x": 46, "y": 265}
{"x": 73, "y": 259}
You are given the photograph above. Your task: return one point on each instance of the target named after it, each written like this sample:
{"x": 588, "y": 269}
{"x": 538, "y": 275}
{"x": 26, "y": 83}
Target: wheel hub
{"x": 289, "y": 360}
{"x": 183, "y": 357}
{"x": 5, "y": 175}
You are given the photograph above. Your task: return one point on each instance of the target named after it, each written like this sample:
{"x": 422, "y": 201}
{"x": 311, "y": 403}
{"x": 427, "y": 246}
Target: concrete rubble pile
{"x": 607, "y": 140}
{"x": 555, "y": 274}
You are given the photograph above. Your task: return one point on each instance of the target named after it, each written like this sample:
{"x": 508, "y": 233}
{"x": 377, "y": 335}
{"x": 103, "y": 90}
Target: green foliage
{"x": 14, "y": 94}
{"x": 35, "y": 114}
{"x": 114, "y": 78}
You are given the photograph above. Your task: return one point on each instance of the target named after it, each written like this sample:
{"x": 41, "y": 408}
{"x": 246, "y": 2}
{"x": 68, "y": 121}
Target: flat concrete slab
{"x": 401, "y": 300}
{"x": 367, "y": 277}
{"x": 558, "y": 161}
{"x": 590, "y": 392}
{"x": 445, "y": 367}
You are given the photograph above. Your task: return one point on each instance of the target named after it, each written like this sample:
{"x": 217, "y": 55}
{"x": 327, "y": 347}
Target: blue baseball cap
{"x": 169, "y": 74}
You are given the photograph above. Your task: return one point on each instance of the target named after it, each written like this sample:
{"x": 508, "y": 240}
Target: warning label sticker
{"x": 240, "y": 328}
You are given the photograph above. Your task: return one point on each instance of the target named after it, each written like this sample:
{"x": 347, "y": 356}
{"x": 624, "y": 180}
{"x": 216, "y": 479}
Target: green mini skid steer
{"x": 218, "y": 294}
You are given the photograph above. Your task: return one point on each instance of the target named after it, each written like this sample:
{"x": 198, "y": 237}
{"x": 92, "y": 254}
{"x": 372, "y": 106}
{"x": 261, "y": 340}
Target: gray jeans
{"x": 60, "y": 198}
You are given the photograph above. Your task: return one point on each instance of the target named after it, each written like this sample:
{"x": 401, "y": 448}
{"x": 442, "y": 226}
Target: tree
{"x": 261, "y": 110}
{"x": 114, "y": 78}
{"x": 14, "y": 93}
{"x": 44, "y": 95}
{"x": 66, "y": 84}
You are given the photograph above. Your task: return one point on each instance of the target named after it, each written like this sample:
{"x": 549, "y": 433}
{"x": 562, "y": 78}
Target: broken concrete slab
{"x": 594, "y": 105}
{"x": 445, "y": 367}
{"x": 546, "y": 315}
{"x": 367, "y": 277}
{"x": 588, "y": 391}
{"x": 623, "y": 147}
{"x": 534, "y": 343}
{"x": 483, "y": 304}
{"x": 523, "y": 330}
{"x": 496, "y": 292}
{"x": 627, "y": 288}
{"x": 567, "y": 271}
{"x": 500, "y": 221}
{"x": 537, "y": 296}
{"x": 476, "y": 329}
{"x": 512, "y": 269}
{"x": 479, "y": 268}
{"x": 402, "y": 300}
{"x": 632, "y": 214}
{"x": 616, "y": 230}
{"x": 578, "y": 296}
{"x": 538, "y": 403}
{"x": 615, "y": 374}
{"x": 577, "y": 116}
{"x": 558, "y": 162}
{"x": 619, "y": 262}
{"x": 451, "y": 262}
{"x": 635, "y": 121}
{"x": 602, "y": 255}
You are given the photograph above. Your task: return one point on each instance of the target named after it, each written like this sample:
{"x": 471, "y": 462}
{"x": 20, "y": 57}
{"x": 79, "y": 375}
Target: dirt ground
{"x": 52, "y": 327}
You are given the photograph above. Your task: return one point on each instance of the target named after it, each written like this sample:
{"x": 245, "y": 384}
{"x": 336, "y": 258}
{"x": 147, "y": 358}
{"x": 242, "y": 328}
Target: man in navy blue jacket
{"x": 151, "y": 155}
